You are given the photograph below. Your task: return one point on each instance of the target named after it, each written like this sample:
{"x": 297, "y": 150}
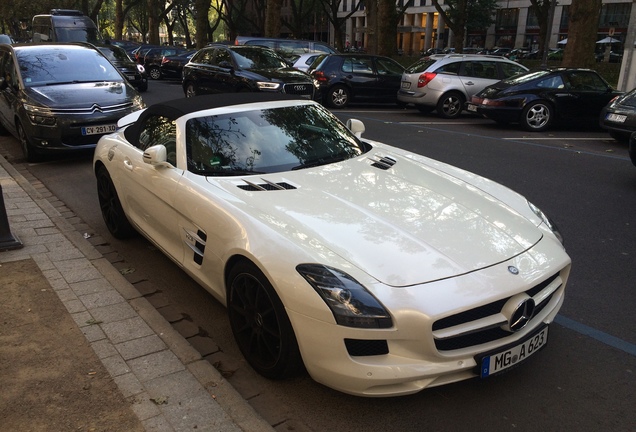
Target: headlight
{"x": 546, "y": 220}
{"x": 40, "y": 115}
{"x": 141, "y": 69}
{"x": 266, "y": 85}
{"x": 351, "y": 304}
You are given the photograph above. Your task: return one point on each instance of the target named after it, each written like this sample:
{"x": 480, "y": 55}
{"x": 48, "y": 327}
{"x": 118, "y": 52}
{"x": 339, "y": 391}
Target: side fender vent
{"x": 384, "y": 162}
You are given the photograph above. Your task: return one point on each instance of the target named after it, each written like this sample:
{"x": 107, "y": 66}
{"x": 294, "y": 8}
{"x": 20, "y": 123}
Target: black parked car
{"x": 60, "y": 97}
{"x": 619, "y": 116}
{"x": 229, "y": 68}
{"x": 172, "y": 66}
{"x": 134, "y": 72}
{"x": 345, "y": 78}
{"x": 153, "y": 57}
{"x": 538, "y": 99}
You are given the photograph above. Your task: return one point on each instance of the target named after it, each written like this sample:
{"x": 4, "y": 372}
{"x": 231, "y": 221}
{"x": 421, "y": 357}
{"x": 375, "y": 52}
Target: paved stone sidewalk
{"x": 150, "y": 362}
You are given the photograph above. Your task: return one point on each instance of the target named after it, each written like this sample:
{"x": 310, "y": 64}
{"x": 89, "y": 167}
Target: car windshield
{"x": 253, "y": 58}
{"x": 268, "y": 141}
{"x": 51, "y": 65}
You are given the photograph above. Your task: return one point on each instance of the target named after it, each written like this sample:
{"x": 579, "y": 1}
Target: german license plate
{"x": 498, "y": 362}
{"x": 130, "y": 77}
{"x": 102, "y": 129}
{"x": 406, "y": 85}
{"x": 618, "y": 118}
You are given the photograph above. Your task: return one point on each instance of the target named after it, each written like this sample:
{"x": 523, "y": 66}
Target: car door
{"x": 389, "y": 77}
{"x": 224, "y": 71}
{"x": 359, "y": 74}
{"x": 591, "y": 93}
{"x": 476, "y": 75}
{"x": 148, "y": 192}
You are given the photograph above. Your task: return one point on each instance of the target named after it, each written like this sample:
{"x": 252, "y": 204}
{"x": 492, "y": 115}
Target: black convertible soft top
{"x": 173, "y": 109}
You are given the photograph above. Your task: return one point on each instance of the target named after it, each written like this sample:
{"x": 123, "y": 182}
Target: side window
{"x": 221, "y": 56}
{"x": 160, "y": 130}
{"x": 553, "y": 82}
{"x": 360, "y": 65}
{"x": 204, "y": 56}
{"x": 388, "y": 67}
{"x": 450, "y": 68}
{"x": 586, "y": 81}
{"x": 481, "y": 69}
{"x": 7, "y": 68}
{"x": 509, "y": 69}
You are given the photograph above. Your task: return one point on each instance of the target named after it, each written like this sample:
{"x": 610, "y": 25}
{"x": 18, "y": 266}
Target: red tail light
{"x": 425, "y": 78}
{"x": 164, "y": 60}
{"x": 320, "y": 76}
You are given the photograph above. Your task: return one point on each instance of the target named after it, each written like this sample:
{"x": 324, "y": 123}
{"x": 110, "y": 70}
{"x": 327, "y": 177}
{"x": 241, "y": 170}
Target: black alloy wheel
{"x": 112, "y": 211}
{"x": 260, "y": 324}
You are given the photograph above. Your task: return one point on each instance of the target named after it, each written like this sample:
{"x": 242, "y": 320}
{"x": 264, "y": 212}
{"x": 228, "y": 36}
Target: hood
{"x": 405, "y": 225}
{"x": 82, "y": 95}
{"x": 286, "y": 75}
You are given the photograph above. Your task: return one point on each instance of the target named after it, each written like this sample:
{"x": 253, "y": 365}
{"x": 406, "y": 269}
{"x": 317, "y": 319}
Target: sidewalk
{"x": 81, "y": 349}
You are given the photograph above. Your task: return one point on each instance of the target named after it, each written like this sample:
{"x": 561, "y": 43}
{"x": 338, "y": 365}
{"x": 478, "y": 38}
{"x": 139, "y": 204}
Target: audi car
{"x": 378, "y": 271}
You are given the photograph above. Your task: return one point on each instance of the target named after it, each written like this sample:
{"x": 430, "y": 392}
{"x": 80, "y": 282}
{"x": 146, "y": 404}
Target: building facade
{"x": 516, "y": 26}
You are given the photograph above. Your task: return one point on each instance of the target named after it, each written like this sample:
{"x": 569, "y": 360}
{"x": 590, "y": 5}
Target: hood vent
{"x": 267, "y": 186}
{"x": 384, "y": 162}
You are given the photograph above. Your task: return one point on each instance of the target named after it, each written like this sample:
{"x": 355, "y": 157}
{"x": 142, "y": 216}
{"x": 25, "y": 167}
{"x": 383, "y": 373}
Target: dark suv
{"x": 224, "y": 69}
{"x": 343, "y": 78}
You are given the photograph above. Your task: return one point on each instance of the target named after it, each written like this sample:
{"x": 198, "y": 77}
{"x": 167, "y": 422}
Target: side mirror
{"x": 356, "y": 127}
{"x": 156, "y": 156}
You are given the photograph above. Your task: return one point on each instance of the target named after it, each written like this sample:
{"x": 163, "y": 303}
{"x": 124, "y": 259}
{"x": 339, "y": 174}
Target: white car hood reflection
{"x": 407, "y": 225}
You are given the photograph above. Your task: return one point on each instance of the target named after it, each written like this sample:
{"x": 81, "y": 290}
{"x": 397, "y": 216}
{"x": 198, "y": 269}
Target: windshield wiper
{"x": 73, "y": 82}
{"x": 318, "y": 162}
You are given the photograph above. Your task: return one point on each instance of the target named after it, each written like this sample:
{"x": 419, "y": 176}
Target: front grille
{"x": 123, "y": 107}
{"x": 488, "y": 333}
{"x": 361, "y": 347}
{"x": 300, "y": 89}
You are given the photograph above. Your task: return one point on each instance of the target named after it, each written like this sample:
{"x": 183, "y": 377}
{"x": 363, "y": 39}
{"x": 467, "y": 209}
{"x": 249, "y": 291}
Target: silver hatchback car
{"x": 445, "y": 82}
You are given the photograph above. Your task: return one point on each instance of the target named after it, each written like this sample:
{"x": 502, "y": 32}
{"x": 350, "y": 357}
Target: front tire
{"x": 29, "y": 152}
{"x": 112, "y": 211}
{"x": 154, "y": 72}
{"x": 536, "y": 116}
{"x": 190, "y": 90}
{"x": 260, "y": 324}
{"x": 338, "y": 97}
{"x": 450, "y": 105}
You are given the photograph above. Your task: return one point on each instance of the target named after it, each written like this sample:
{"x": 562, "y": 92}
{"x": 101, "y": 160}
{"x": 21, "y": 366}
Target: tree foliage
{"x": 460, "y": 15}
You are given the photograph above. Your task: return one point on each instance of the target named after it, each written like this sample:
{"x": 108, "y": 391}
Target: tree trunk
{"x": 119, "y": 19}
{"x": 372, "y": 27}
{"x": 153, "y": 22}
{"x": 582, "y": 31}
{"x": 272, "y": 18}
{"x": 202, "y": 7}
{"x": 387, "y": 28}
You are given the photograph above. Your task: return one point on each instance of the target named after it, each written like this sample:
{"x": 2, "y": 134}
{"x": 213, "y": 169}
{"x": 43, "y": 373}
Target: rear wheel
{"x": 338, "y": 97}
{"x": 154, "y": 72}
{"x": 536, "y": 116}
{"x": 112, "y": 211}
{"x": 450, "y": 105}
{"x": 260, "y": 324}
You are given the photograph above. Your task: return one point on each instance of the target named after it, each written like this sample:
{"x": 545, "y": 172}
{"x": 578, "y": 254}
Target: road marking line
{"x": 561, "y": 138}
{"x": 600, "y": 336}
{"x": 435, "y": 123}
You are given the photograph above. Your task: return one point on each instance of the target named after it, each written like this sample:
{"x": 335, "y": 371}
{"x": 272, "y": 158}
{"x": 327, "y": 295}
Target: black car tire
{"x": 190, "y": 90}
{"x": 112, "y": 211}
{"x": 536, "y": 116}
{"x": 260, "y": 324}
{"x": 29, "y": 152}
{"x": 450, "y": 105}
{"x": 154, "y": 72}
{"x": 338, "y": 96}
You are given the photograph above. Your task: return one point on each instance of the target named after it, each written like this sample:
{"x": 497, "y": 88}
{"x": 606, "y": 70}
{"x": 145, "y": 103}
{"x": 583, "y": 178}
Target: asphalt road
{"x": 585, "y": 378}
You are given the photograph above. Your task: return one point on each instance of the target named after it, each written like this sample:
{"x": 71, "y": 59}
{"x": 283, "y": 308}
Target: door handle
{"x": 128, "y": 164}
